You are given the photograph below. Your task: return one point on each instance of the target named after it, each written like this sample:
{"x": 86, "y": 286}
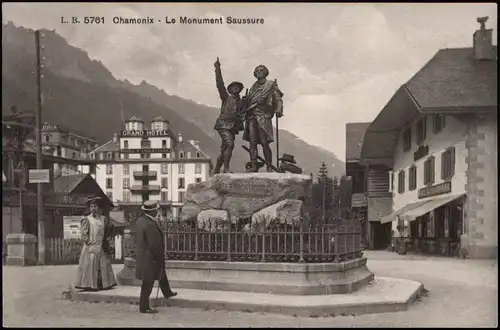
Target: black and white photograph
{"x": 246, "y": 165}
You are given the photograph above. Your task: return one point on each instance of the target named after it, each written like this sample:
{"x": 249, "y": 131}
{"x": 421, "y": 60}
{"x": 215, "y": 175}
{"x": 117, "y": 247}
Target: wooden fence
{"x": 60, "y": 251}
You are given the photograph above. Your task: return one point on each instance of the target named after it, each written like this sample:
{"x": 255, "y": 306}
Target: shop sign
{"x": 439, "y": 189}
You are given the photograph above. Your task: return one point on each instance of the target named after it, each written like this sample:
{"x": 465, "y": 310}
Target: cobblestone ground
{"x": 462, "y": 293}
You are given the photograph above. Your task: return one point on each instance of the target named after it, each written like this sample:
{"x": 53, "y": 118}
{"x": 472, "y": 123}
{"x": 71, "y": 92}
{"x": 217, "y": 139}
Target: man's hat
{"x": 288, "y": 158}
{"x": 94, "y": 200}
{"x": 236, "y": 84}
{"x": 150, "y": 206}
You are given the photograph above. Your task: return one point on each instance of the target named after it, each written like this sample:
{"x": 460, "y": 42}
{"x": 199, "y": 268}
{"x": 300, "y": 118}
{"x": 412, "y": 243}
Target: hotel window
{"x": 125, "y": 144}
{"x": 59, "y": 151}
{"x": 407, "y": 139}
{"x": 181, "y": 154}
{"x": 126, "y": 183}
{"x": 197, "y": 180}
{"x": 181, "y": 183}
{"x": 198, "y": 155}
{"x": 145, "y": 144}
{"x": 47, "y": 138}
{"x": 164, "y": 183}
{"x": 164, "y": 196}
{"x": 109, "y": 183}
{"x": 125, "y": 156}
{"x": 438, "y": 123}
{"x": 412, "y": 179}
{"x": 163, "y": 143}
{"x": 109, "y": 155}
{"x": 126, "y": 196}
{"x": 429, "y": 171}
{"x": 181, "y": 196}
{"x": 126, "y": 169}
{"x": 109, "y": 169}
{"x": 181, "y": 168}
{"x": 448, "y": 164}
{"x": 164, "y": 168}
{"x": 197, "y": 168}
{"x": 401, "y": 182}
{"x": 421, "y": 130}
{"x": 163, "y": 155}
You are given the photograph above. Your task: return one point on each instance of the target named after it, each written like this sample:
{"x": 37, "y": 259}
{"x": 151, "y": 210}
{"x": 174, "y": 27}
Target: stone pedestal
{"x": 21, "y": 250}
{"x": 127, "y": 275}
{"x": 257, "y": 277}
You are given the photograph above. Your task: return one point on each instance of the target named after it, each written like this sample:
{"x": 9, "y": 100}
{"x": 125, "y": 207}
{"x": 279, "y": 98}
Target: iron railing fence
{"x": 320, "y": 243}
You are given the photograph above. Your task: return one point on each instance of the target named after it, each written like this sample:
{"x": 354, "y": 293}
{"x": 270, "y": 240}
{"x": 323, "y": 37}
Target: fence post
{"x": 301, "y": 237}
{"x": 196, "y": 240}
{"x": 263, "y": 259}
{"x": 229, "y": 243}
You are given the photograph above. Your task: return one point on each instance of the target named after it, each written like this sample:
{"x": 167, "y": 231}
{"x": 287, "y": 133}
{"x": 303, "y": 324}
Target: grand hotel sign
{"x": 145, "y": 133}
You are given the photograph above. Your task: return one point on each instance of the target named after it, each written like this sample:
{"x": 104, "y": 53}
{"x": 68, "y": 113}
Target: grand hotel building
{"x": 142, "y": 163}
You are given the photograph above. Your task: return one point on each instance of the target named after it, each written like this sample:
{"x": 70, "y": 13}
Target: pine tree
{"x": 323, "y": 196}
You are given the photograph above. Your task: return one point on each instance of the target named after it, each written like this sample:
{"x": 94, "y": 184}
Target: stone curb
{"x": 392, "y": 302}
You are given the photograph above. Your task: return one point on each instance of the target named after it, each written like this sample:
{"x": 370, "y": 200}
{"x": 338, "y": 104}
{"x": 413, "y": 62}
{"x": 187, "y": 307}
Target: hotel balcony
{"x": 145, "y": 188}
{"x": 145, "y": 174}
{"x": 359, "y": 200}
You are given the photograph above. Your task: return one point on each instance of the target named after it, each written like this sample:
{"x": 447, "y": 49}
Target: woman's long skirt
{"x": 94, "y": 271}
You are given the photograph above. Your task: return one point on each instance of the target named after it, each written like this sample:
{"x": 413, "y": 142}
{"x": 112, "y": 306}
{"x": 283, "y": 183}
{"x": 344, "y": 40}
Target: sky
{"x": 335, "y": 63}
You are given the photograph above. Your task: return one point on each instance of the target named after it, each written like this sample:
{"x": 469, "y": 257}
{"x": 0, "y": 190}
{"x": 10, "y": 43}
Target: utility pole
{"x": 39, "y": 163}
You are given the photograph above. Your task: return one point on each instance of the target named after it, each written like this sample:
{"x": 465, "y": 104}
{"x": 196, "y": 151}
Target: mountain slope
{"x": 83, "y": 95}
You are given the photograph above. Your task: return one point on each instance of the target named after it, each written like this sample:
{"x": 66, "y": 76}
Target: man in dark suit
{"x": 150, "y": 255}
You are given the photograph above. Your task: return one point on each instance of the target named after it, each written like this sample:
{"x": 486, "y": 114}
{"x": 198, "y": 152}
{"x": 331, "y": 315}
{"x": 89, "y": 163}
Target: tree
{"x": 322, "y": 196}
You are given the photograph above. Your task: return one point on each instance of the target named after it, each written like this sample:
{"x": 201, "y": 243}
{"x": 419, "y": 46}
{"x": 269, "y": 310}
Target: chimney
{"x": 115, "y": 137}
{"x": 483, "y": 41}
{"x": 179, "y": 137}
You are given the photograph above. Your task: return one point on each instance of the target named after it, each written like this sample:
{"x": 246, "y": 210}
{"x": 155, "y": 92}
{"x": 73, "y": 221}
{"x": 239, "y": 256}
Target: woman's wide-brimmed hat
{"x": 236, "y": 84}
{"x": 94, "y": 200}
{"x": 150, "y": 206}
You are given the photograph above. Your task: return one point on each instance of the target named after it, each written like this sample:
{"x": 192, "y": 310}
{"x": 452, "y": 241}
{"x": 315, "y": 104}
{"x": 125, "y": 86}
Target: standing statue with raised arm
{"x": 263, "y": 101}
{"x": 229, "y": 122}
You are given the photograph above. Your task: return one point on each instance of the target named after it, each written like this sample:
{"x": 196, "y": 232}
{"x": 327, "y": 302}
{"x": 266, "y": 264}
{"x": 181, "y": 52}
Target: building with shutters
{"x": 149, "y": 162}
{"x": 371, "y": 193}
{"x": 438, "y": 136}
{"x": 61, "y": 142}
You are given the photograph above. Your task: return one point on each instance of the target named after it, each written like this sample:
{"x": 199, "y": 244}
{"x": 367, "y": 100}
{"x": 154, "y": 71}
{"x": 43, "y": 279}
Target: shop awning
{"x": 430, "y": 205}
{"x": 393, "y": 216}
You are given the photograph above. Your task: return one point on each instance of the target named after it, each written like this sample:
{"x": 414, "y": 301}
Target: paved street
{"x": 463, "y": 293}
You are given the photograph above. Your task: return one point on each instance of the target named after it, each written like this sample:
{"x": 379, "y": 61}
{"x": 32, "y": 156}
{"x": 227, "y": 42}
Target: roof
{"x": 186, "y": 146}
{"x": 134, "y": 118}
{"x": 354, "y": 135}
{"x": 452, "y": 81}
{"x": 453, "y": 78}
{"x": 108, "y": 146}
{"x": 66, "y": 184}
{"x": 159, "y": 119}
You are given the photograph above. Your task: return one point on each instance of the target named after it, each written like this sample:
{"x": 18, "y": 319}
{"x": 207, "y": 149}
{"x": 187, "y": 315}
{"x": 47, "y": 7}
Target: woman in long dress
{"x": 94, "y": 269}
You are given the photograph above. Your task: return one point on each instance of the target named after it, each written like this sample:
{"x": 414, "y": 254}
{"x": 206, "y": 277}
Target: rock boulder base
{"x": 243, "y": 194}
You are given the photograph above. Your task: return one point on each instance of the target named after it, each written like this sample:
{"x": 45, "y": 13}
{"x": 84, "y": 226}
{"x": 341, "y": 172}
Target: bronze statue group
{"x": 252, "y": 114}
